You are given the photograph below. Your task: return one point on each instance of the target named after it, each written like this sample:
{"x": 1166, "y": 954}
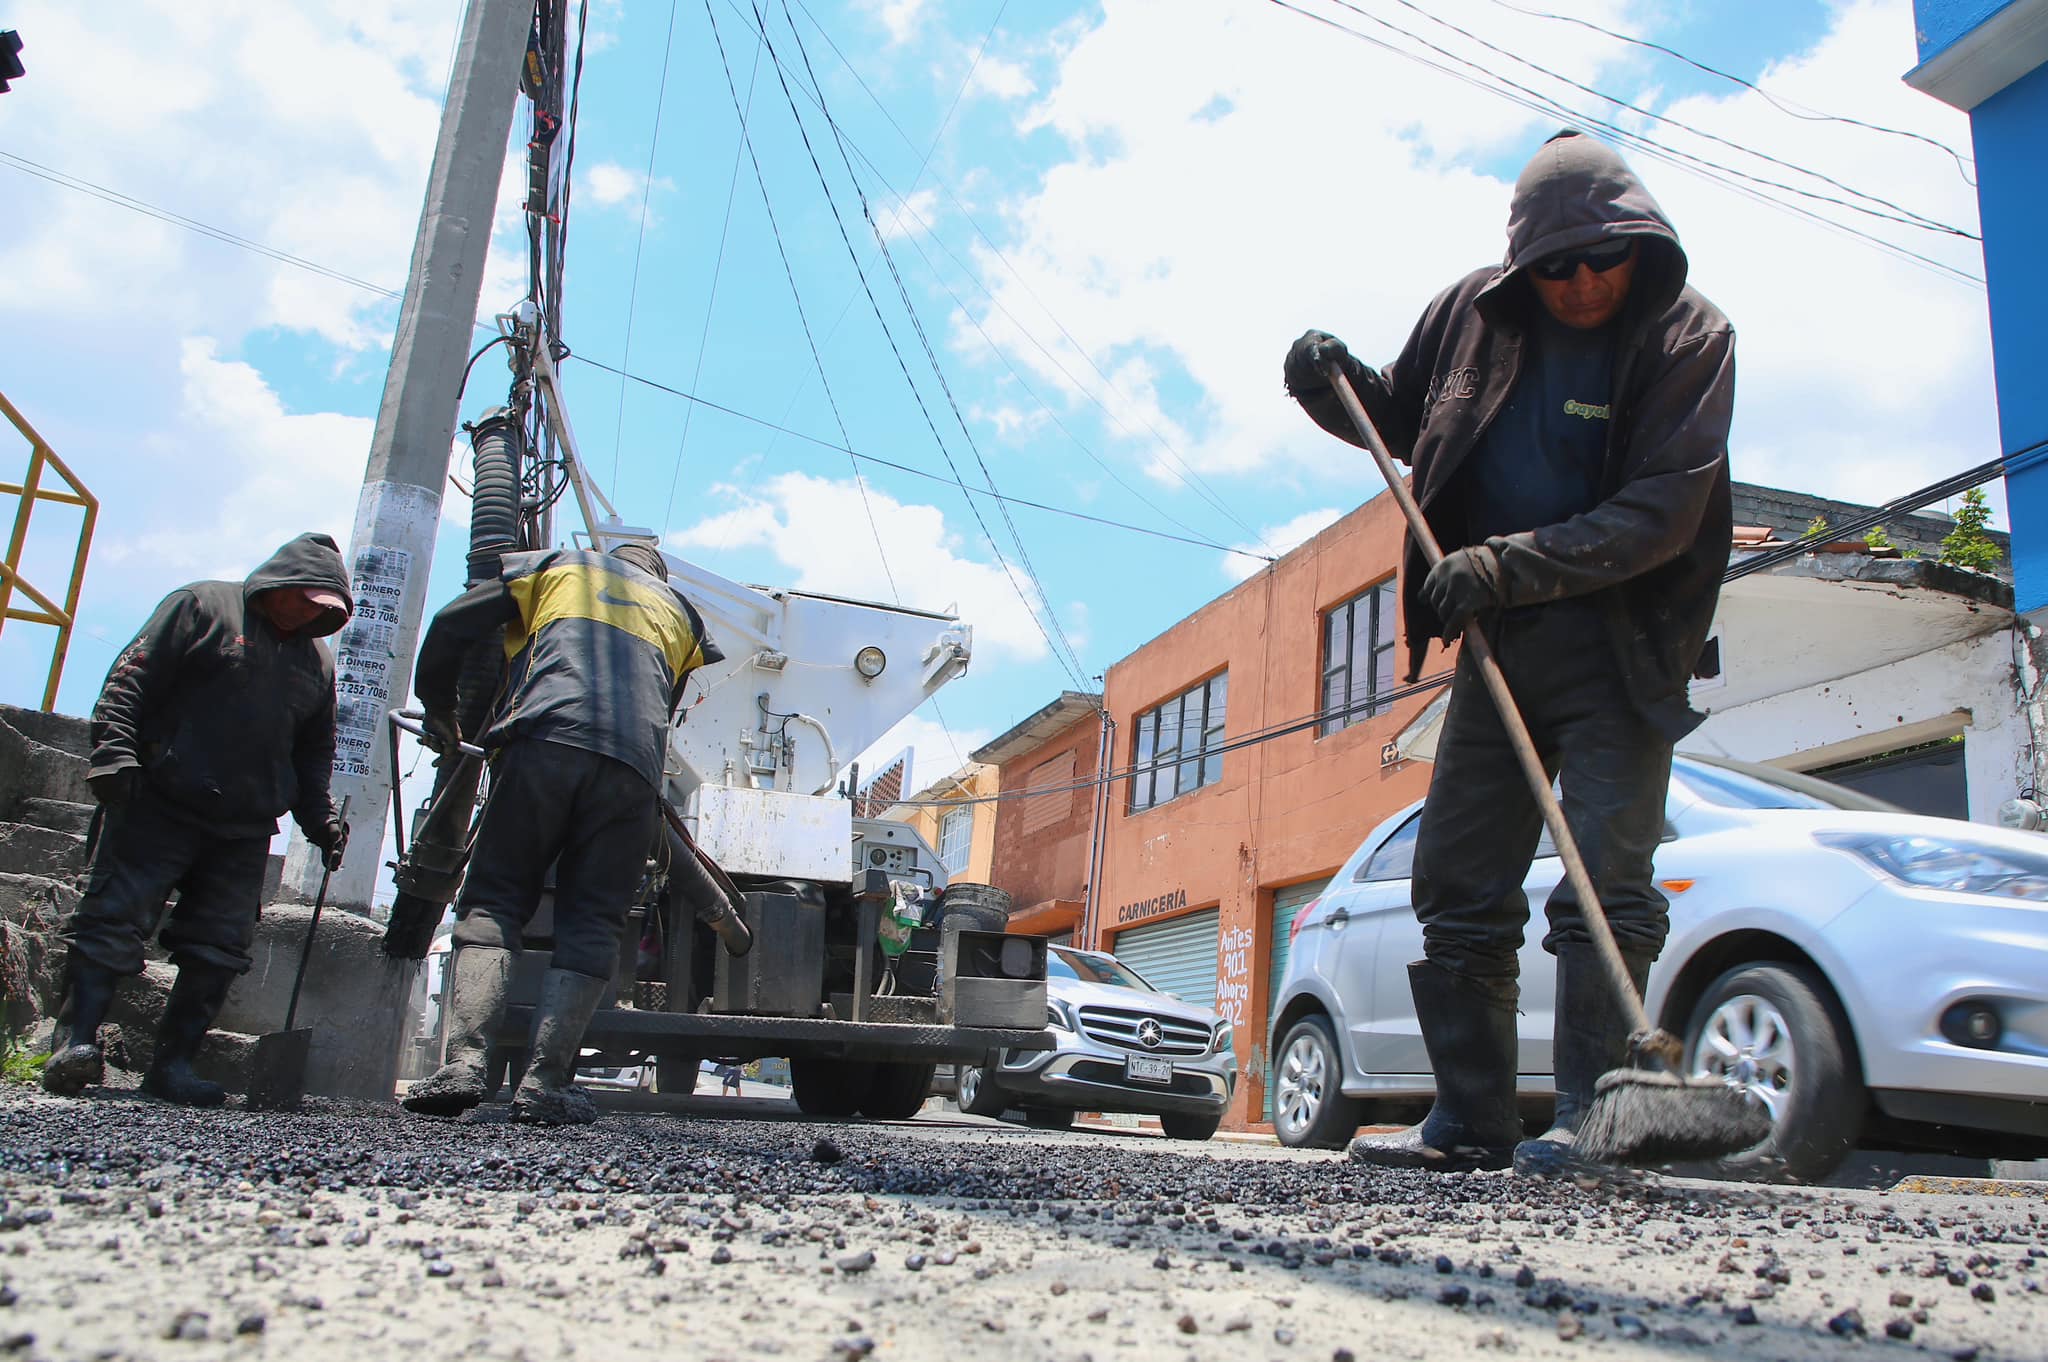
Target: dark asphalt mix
{"x": 132, "y": 1229}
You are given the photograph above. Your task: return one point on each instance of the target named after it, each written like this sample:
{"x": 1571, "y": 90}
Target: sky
{"x": 1095, "y": 229}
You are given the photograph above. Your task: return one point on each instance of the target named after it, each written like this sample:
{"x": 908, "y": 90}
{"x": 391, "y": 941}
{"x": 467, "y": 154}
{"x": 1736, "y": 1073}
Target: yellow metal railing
{"x": 30, "y": 490}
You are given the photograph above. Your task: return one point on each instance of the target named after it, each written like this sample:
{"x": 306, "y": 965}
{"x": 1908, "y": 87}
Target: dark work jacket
{"x": 1655, "y": 546}
{"x": 231, "y": 721}
{"x": 598, "y": 648}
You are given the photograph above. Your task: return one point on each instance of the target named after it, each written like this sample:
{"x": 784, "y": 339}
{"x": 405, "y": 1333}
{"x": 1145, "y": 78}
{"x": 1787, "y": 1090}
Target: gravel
{"x": 350, "y": 1229}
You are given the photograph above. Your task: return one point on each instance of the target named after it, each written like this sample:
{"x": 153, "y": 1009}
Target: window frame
{"x": 965, "y": 814}
{"x": 1382, "y": 609}
{"x": 1164, "y": 766}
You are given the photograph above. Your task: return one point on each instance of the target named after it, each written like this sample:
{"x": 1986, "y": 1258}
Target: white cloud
{"x": 1190, "y": 234}
{"x": 902, "y": 18}
{"x": 609, "y": 184}
{"x": 1277, "y": 540}
{"x": 911, "y": 215}
{"x": 1001, "y": 79}
{"x": 937, "y": 749}
{"x": 269, "y": 474}
{"x": 817, "y": 528}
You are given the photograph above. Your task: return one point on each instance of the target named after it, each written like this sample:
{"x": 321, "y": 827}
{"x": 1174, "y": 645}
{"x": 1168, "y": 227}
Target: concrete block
{"x": 58, "y": 815}
{"x": 35, "y": 770}
{"x": 356, "y": 999}
{"x": 65, "y": 732}
{"x": 29, "y": 850}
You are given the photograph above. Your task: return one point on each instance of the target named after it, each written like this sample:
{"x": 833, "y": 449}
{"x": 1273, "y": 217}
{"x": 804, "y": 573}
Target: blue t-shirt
{"x": 1539, "y": 461}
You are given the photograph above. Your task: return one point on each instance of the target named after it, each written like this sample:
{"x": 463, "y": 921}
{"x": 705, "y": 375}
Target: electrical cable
{"x": 1182, "y": 471}
{"x": 1070, "y": 665}
{"x": 1900, "y": 213}
{"x": 1537, "y": 102}
{"x": 464, "y": 385}
{"x": 640, "y": 241}
{"x": 1777, "y": 102}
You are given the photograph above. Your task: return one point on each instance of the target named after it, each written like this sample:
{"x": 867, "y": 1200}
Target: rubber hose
{"x": 494, "y": 513}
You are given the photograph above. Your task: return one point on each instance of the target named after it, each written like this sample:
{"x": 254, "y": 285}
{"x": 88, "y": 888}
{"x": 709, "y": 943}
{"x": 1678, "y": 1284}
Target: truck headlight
{"x": 1960, "y": 867}
{"x": 1224, "y": 1039}
{"x": 870, "y": 661}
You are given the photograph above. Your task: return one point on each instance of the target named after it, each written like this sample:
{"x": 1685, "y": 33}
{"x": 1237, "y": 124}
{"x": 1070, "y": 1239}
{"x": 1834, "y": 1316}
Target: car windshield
{"x": 1746, "y": 786}
{"x": 1092, "y": 969}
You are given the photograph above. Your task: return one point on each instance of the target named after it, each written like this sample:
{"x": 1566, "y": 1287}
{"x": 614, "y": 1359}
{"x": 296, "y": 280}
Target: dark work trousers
{"x": 1480, "y": 824}
{"x": 142, "y": 850}
{"x": 590, "y": 816}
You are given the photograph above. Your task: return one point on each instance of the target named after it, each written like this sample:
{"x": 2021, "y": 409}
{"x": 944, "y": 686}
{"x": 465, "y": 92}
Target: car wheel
{"x": 1310, "y": 1110}
{"x": 1182, "y": 1127}
{"x": 896, "y": 1092}
{"x": 1776, "y": 1032}
{"x": 978, "y": 1094}
{"x": 829, "y": 1087}
{"x": 1049, "y": 1118}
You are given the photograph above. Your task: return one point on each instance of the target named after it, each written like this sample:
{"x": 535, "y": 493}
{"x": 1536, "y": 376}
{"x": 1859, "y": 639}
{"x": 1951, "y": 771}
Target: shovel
{"x": 277, "y": 1079}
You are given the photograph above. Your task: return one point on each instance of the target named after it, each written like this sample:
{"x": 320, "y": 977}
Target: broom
{"x": 1647, "y": 1113}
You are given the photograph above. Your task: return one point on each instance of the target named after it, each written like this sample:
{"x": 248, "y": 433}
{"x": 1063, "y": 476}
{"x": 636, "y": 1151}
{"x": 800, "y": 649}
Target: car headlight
{"x": 1223, "y": 1040}
{"x": 1057, "y": 1016}
{"x": 1959, "y": 867}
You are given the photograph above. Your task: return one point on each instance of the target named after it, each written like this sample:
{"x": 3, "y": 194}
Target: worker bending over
{"x": 1566, "y": 419}
{"x": 599, "y": 646}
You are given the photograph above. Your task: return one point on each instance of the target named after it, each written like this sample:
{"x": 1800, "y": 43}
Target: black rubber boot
{"x": 476, "y": 989}
{"x": 1468, "y": 1027}
{"x": 548, "y": 1095}
{"x": 76, "y": 1061}
{"x": 196, "y": 999}
{"x": 1590, "y": 1038}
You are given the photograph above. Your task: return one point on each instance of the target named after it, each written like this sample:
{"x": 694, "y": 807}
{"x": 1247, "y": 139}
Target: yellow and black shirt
{"x": 597, "y": 651}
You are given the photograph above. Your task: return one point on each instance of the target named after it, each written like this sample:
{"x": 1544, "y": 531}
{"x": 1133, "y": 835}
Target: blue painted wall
{"x": 2010, "y": 131}
{"x": 1938, "y": 23}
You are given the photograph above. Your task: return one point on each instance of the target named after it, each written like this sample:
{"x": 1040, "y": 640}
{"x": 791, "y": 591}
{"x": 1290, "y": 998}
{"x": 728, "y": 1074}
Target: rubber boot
{"x": 478, "y": 981}
{"x": 1590, "y": 1038}
{"x": 196, "y": 999}
{"x": 76, "y": 1061}
{"x": 1468, "y": 1027}
{"x": 548, "y": 1095}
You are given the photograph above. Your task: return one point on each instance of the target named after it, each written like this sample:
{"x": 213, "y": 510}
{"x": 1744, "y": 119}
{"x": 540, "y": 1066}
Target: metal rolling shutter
{"x": 1177, "y": 956}
{"x": 1287, "y": 905}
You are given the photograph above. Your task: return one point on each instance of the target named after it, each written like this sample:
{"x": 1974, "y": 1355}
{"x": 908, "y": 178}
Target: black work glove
{"x": 443, "y": 734}
{"x": 116, "y": 787}
{"x": 1466, "y": 582}
{"x": 332, "y": 839}
{"x": 1308, "y": 359}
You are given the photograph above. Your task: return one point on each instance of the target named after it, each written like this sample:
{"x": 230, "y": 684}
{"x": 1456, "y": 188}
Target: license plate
{"x": 1139, "y": 1069}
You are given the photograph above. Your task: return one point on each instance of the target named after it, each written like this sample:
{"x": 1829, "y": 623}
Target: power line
{"x": 1182, "y": 471}
{"x": 1539, "y": 103}
{"x": 1899, "y": 213}
{"x": 646, "y": 193}
{"x": 1777, "y": 102}
{"x": 926, "y": 474}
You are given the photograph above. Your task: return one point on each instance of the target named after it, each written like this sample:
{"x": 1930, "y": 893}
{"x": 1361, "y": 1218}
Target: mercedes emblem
{"x": 1149, "y": 1034}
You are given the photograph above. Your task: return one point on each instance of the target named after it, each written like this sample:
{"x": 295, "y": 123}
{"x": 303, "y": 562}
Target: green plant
{"x": 1879, "y": 538}
{"x": 1816, "y": 527}
{"x": 1967, "y": 545}
{"x": 20, "y": 1064}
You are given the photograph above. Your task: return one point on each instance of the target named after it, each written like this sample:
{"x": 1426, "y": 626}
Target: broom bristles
{"x": 1644, "y": 1117}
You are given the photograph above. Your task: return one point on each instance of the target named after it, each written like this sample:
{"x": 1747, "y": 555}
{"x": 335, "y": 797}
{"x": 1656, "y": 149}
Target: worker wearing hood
{"x": 1565, "y": 416}
{"x": 216, "y": 719}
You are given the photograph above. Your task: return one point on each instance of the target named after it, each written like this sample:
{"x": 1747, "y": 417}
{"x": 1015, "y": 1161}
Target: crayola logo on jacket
{"x": 1572, "y": 407}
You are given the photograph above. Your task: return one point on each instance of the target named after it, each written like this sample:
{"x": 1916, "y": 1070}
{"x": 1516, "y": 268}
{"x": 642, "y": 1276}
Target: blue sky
{"x": 1108, "y": 233}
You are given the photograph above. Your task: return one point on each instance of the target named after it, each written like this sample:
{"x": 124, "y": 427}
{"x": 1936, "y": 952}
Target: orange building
{"x": 1215, "y": 834}
{"x": 1044, "y": 833}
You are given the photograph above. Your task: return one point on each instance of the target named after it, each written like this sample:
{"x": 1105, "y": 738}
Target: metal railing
{"x": 30, "y": 490}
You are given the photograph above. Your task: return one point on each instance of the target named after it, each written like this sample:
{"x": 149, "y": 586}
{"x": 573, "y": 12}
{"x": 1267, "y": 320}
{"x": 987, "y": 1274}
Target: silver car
{"x": 1873, "y": 976}
{"x": 1122, "y": 1046}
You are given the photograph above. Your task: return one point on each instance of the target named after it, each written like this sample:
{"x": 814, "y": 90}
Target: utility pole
{"x": 392, "y": 548}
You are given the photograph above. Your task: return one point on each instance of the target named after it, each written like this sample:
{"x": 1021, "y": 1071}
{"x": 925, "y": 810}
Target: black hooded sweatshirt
{"x": 1654, "y": 547}
{"x": 231, "y": 721}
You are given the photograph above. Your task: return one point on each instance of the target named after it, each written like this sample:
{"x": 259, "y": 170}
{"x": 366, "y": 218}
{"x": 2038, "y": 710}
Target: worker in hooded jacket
{"x": 215, "y": 720}
{"x": 600, "y": 646}
{"x": 1565, "y": 417}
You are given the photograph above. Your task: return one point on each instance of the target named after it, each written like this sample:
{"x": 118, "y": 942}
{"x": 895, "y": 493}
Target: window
{"x": 1395, "y": 859}
{"x": 956, "y": 839}
{"x": 1174, "y": 747}
{"x": 1358, "y": 657}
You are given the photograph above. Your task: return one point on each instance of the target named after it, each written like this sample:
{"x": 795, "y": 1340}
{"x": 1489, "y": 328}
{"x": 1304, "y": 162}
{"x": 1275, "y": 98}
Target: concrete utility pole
{"x": 400, "y": 509}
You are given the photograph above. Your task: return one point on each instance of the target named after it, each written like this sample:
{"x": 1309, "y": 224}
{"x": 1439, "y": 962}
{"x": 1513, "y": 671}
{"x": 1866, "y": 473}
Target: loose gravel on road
{"x": 134, "y": 1230}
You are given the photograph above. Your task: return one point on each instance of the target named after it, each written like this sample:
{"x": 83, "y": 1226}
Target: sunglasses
{"x": 1598, "y": 259}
